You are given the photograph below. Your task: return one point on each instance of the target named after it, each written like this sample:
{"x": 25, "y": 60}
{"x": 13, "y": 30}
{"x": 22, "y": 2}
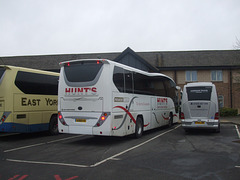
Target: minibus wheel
{"x": 53, "y": 125}
{"x": 139, "y": 127}
{"x": 218, "y": 129}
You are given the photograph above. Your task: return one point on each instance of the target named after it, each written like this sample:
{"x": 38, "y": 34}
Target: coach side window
{"x": 128, "y": 76}
{"x": 123, "y": 80}
{"x": 118, "y": 78}
{"x": 159, "y": 89}
{"x": 32, "y": 83}
{"x": 142, "y": 84}
{"x": 170, "y": 89}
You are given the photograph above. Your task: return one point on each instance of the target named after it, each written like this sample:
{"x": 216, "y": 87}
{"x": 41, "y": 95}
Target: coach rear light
{"x": 4, "y": 117}
{"x": 60, "y": 117}
{"x": 102, "y": 119}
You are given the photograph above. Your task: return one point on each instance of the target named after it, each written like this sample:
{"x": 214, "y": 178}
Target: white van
{"x": 199, "y": 108}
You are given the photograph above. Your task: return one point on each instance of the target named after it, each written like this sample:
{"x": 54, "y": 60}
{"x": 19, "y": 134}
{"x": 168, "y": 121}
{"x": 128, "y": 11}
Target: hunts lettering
{"x": 81, "y": 91}
{"x": 162, "y": 102}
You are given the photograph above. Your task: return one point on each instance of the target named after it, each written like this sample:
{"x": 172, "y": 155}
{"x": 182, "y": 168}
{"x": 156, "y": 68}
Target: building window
{"x": 221, "y": 101}
{"x": 216, "y": 75}
{"x": 191, "y": 76}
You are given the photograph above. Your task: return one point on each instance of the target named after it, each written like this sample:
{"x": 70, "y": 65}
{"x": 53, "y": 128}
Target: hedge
{"x": 228, "y": 112}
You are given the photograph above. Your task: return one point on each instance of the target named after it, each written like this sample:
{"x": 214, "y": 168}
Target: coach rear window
{"x": 83, "y": 71}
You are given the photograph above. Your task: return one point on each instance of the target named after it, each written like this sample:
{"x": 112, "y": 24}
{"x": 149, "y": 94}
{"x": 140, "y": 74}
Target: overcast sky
{"x": 39, "y": 27}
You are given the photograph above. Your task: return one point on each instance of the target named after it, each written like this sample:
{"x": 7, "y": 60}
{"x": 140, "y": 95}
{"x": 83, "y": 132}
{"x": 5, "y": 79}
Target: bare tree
{"x": 237, "y": 44}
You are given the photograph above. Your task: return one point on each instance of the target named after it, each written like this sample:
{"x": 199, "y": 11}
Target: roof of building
{"x": 159, "y": 59}
{"x": 131, "y": 58}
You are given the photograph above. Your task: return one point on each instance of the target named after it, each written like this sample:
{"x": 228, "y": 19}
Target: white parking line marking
{"x": 116, "y": 159}
{"x": 98, "y": 163}
{"x": 239, "y": 138}
{"x": 47, "y": 163}
{"x": 39, "y": 144}
{"x": 134, "y": 147}
{"x": 24, "y": 147}
{"x": 64, "y": 139}
{"x": 237, "y": 131}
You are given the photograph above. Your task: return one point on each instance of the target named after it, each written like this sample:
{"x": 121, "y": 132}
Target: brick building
{"x": 222, "y": 67}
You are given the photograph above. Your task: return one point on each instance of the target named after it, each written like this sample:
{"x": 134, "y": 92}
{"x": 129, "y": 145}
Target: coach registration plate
{"x": 81, "y": 120}
{"x": 199, "y": 122}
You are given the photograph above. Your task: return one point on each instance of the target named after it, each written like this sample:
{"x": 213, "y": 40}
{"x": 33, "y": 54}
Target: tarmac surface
{"x": 162, "y": 153}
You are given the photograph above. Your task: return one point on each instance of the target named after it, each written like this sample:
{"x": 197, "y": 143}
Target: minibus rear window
{"x": 83, "y": 71}
{"x": 199, "y": 93}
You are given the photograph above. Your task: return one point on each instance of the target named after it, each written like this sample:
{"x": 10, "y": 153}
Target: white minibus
{"x": 102, "y": 97}
{"x": 199, "y": 108}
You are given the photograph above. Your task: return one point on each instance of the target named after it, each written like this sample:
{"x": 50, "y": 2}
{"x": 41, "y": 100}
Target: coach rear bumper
{"x": 90, "y": 123}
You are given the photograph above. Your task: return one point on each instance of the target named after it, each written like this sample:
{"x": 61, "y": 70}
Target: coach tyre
{"x": 139, "y": 127}
{"x": 53, "y": 125}
{"x": 170, "y": 123}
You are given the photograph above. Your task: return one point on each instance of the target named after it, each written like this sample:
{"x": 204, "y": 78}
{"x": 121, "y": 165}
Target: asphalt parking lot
{"x": 163, "y": 153}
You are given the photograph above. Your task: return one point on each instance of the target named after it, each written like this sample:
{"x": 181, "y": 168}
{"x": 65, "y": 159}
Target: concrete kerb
{"x": 230, "y": 120}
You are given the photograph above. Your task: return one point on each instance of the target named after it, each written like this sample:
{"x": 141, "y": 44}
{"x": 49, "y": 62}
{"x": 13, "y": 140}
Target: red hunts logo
{"x": 162, "y": 100}
{"x": 81, "y": 91}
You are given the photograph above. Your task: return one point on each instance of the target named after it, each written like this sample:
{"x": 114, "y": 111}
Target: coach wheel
{"x": 53, "y": 125}
{"x": 139, "y": 127}
{"x": 170, "y": 122}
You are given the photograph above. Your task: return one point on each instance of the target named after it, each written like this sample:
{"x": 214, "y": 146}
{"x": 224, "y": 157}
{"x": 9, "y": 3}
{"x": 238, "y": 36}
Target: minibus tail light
{"x": 216, "y": 116}
{"x": 182, "y": 115}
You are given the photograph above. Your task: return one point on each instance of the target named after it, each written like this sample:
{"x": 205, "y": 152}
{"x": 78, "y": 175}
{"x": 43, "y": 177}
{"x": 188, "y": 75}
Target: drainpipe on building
{"x": 175, "y": 76}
